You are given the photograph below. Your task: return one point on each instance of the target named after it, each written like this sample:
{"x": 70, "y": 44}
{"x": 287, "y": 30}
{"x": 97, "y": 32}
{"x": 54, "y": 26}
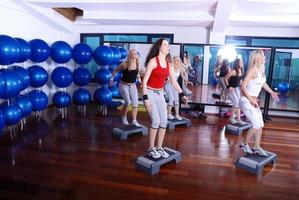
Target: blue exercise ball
{"x": 61, "y": 52}
{"x": 9, "y": 50}
{"x": 123, "y": 53}
{"x": 117, "y": 77}
{"x": 38, "y": 76}
{"x": 283, "y": 87}
{"x": 112, "y": 67}
{"x": 82, "y": 96}
{"x": 82, "y": 53}
{"x": 13, "y": 113}
{"x": 23, "y": 76}
{"x": 40, "y": 50}
{"x": 102, "y": 76}
{"x": 39, "y": 100}
{"x": 13, "y": 84}
{"x": 2, "y": 83}
{"x": 61, "y": 99}
{"x": 62, "y": 77}
{"x": 25, "y": 104}
{"x": 103, "y": 55}
{"x": 25, "y": 50}
{"x": 2, "y": 121}
{"x": 103, "y": 96}
{"x": 81, "y": 76}
{"x": 116, "y": 55}
{"x": 114, "y": 91}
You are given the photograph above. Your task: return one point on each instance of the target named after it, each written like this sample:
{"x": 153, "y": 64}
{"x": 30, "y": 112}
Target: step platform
{"x": 152, "y": 166}
{"x": 255, "y": 164}
{"x": 237, "y": 129}
{"x": 172, "y": 123}
{"x": 125, "y": 130}
{"x": 223, "y": 103}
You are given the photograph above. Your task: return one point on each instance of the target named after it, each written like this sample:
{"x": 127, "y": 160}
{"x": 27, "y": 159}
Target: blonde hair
{"x": 129, "y": 60}
{"x": 255, "y": 58}
{"x": 178, "y": 58}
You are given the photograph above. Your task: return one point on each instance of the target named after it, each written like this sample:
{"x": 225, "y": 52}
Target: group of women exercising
{"x": 162, "y": 73}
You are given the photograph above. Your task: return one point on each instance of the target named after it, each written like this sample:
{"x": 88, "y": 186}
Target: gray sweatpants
{"x": 173, "y": 95}
{"x": 235, "y": 97}
{"x": 159, "y": 108}
{"x": 130, "y": 93}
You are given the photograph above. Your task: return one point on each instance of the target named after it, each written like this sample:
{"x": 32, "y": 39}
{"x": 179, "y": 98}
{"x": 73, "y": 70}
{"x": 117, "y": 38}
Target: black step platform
{"x": 172, "y": 123}
{"x": 125, "y": 130}
{"x": 237, "y": 129}
{"x": 152, "y": 166}
{"x": 255, "y": 164}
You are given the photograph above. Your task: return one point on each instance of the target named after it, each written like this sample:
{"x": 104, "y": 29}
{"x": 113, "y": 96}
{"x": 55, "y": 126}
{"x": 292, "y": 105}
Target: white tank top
{"x": 255, "y": 85}
{"x": 176, "y": 74}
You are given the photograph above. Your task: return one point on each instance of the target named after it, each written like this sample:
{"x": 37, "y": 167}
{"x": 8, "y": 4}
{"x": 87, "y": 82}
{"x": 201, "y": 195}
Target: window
{"x": 125, "y": 38}
{"x": 262, "y": 41}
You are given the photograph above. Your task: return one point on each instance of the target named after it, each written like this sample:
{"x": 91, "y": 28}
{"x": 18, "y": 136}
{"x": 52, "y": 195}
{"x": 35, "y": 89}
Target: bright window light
{"x": 228, "y": 52}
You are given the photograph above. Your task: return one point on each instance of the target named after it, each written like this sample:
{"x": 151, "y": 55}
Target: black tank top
{"x": 234, "y": 81}
{"x": 129, "y": 76}
{"x": 223, "y": 71}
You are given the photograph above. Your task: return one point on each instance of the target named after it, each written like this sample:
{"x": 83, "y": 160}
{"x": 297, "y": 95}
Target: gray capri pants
{"x": 159, "y": 109}
{"x": 173, "y": 95}
{"x": 254, "y": 115}
{"x": 222, "y": 83}
{"x": 235, "y": 97}
{"x": 130, "y": 93}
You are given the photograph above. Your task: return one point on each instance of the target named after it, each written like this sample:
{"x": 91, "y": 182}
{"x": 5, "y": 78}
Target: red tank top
{"x": 158, "y": 76}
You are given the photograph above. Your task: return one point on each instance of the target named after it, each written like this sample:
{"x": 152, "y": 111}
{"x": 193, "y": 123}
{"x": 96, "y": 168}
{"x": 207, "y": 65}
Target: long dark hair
{"x": 238, "y": 66}
{"x": 154, "y": 51}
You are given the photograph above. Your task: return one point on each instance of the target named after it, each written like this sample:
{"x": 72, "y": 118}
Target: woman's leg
{"x": 134, "y": 99}
{"x": 155, "y": 122}
{"x": 176, "y": 103}
{"x": 124, "y": 91}
{"x": 223, "y": 89}
{"x": 257, "y": 149}
{"x": 232, "y": 116}
{"x": 257, "y": 138}
{"x": 251, "y": 115}
{"x": 235, "y": 100}
{"x": 161, "y": 105}
{"x": 249, "y": 134}
{"x": 170, "y": 96}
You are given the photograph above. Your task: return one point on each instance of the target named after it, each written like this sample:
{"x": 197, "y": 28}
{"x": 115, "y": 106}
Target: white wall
{"x": 181, "y": 34}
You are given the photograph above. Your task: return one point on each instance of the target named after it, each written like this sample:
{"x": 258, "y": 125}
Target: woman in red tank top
{"x": 157, "y": 70}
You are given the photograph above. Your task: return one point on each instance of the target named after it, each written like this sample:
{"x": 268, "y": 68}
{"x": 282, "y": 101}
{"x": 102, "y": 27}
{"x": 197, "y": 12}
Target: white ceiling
{"x": 213, "y": 14}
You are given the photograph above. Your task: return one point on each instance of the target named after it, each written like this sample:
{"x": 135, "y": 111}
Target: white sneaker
{"x": 163, "y": 153}
{"x": 154, "y": 153}
{"x": 178, "y": 117}
{"x": 170, "y": 116}
{"x": 124, "y": 120}
{"x": 239, "y": 121}
{"x": 232, "y": 120}
{"x": 245, "y": 148}
{"x": 259, "y": 151}
{"x": 135, "y": 123}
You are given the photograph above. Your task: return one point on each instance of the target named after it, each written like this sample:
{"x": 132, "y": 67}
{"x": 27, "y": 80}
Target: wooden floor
{"x": 78, "y": 159}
